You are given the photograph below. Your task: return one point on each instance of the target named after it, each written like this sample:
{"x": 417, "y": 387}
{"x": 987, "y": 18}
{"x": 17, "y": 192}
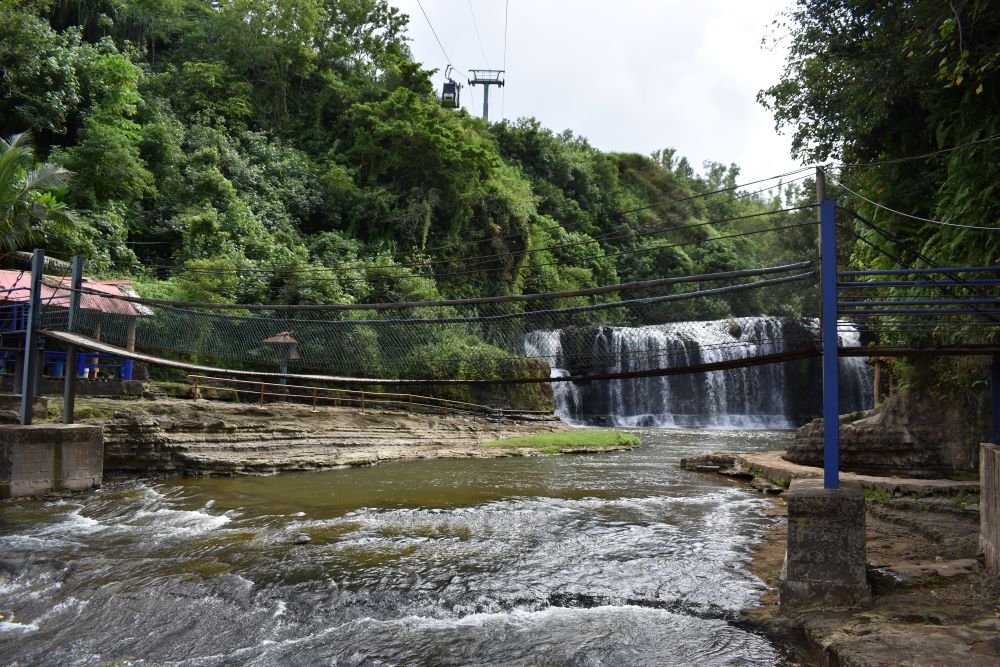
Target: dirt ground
{"x": 933, "y": 604}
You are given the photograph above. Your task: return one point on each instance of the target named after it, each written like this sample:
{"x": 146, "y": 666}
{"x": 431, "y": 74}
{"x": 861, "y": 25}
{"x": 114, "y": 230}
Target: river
{"x": 610, "y": 559}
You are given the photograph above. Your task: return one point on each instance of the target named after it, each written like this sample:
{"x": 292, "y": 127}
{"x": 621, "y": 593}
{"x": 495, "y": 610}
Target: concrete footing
{"x": 50, "y": 457}
{"x": 989, "y": 506}
{"x": 825, "y": 560}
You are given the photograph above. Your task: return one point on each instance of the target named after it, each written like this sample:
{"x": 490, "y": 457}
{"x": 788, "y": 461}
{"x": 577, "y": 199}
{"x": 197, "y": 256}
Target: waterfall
{"x": 782, "y": 395}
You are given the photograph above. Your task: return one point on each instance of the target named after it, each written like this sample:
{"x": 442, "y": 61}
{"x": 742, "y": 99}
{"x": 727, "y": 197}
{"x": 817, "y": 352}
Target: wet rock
{"x": 708, "y": 462}
{"x": 302, "y": 538}
{"x": 766, "y": 486}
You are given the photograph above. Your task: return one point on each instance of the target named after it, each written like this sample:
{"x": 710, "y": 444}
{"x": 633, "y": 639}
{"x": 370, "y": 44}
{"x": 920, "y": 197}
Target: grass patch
{"x": 877, "y": 495}
{"x": 553, "y": 443}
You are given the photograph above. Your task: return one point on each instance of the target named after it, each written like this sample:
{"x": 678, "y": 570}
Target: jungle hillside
{"x": 293, "y": 152}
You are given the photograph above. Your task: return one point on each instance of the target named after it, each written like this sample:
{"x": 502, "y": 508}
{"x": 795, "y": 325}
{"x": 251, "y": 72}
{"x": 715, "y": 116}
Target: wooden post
{"x": 95, "y": 360}
{"x": 69, "y": 378}
{"x": 314, "y": 399}
{"x": 989, "y": 513}
{"x": 878, "y": 382}
{"x": 362, "y": 402}
{"x": 261, "y": 394}
{"x": 196, "y": 391}
{"x": 995, "y": 388}
{"x": 130, "y": 340}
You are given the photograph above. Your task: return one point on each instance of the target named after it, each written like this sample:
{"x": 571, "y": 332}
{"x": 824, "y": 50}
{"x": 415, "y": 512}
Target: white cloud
{"x": 630, "y": 76}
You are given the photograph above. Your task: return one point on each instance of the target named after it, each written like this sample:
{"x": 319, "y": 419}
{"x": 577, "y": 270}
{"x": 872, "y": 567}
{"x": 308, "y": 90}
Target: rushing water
{"x": 611, "y": 559}
{"x": 781, "y": 395}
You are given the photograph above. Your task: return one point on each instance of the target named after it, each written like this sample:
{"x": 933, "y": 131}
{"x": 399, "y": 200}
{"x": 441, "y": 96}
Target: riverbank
{"x": 932, "y": 603}
{"x": 177, "y": 436}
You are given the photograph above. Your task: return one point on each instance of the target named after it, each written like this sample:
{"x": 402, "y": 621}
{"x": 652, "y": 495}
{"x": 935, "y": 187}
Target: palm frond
{"x": 47, "y": 176}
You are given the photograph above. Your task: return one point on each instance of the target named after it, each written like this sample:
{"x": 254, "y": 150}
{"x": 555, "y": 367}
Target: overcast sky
{"x": 629, "y": 75}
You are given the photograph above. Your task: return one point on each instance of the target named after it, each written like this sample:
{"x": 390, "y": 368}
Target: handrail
{"x": 351, "y": 395}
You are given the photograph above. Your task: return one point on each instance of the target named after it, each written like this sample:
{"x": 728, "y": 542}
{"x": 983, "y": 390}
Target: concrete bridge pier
{"x": 825, "y": 564}
{"x": 42, "y": 458}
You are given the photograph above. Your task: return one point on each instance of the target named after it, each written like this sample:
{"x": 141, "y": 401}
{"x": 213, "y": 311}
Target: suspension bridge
{"x": 519, "y": 339}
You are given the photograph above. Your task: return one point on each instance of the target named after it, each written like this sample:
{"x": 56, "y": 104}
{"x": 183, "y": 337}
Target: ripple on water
{"x": 617, "y": 635}
{"x": 611, "y": 560}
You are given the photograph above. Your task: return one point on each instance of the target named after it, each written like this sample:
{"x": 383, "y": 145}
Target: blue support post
{"x": 828, "y": 325}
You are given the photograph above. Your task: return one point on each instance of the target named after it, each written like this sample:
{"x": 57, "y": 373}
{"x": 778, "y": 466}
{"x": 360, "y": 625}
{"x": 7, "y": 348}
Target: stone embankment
{"x": 932, "y": 602}
{"x": 202, "y": 438}
{"x": 908, "y": 436}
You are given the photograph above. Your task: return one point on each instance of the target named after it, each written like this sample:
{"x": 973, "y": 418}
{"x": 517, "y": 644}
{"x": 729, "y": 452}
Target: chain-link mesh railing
{"x": 637, "y": 326}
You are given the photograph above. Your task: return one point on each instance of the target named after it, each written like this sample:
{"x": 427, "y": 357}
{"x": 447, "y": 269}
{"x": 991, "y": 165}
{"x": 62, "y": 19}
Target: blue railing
{"x": 14, "y": 321}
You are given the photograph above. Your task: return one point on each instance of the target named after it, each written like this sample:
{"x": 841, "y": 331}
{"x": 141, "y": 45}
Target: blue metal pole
{"x": 828, "y": 325}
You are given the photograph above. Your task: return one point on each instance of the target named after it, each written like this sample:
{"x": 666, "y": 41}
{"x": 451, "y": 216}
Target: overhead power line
{"x": 475, "y": 25}
{"x": 476, "y": 301}
{"x": 503, "y": 93}
{"x": 576, "y": 261}
{"x": 609, "y": 236}
{"x": 910, "y": 215}
{"x": 438, "y": 39}
{"x": 943, "y": 151}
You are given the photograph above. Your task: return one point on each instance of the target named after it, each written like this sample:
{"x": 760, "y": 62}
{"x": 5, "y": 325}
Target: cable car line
{"x": 475, "y": 25}
{"x": 503, "y": 93}
{"x": 433, "y": 31}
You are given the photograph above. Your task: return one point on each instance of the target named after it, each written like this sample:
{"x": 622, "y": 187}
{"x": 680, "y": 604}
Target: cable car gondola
{"x": 451, "y": 91}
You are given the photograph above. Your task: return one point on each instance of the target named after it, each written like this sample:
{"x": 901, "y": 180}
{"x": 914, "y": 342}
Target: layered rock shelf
{"x": 199, "y": 438}
{"x": 908, "y": 436}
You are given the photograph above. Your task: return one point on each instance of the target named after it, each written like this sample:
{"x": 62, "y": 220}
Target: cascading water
{"x": 780, "y": 395}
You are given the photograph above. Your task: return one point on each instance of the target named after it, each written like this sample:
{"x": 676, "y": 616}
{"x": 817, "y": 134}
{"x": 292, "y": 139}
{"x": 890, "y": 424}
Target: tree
{"x": 869, "y": 81}
{"x": 28, "y": 196}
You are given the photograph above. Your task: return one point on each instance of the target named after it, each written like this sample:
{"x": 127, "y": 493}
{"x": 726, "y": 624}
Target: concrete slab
{"x": 780, "y": 471}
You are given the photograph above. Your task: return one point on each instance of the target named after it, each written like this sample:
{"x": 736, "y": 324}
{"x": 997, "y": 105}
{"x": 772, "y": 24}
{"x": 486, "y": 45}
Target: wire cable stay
{"x": 910, "y": 215}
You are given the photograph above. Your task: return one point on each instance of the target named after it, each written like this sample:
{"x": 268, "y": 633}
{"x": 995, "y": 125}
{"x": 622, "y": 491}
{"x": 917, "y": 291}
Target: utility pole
{"x": 486, "y": 78}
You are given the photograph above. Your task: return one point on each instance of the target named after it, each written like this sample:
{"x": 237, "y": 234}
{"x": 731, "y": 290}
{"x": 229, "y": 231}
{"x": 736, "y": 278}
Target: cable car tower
{"x": 451, "y": 91}
{"x": 486, "y": 78}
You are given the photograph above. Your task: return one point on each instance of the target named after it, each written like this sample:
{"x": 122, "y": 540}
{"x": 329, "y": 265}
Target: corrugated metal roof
{"x": 285, "y": 337}
{"x": 15, "y": 287}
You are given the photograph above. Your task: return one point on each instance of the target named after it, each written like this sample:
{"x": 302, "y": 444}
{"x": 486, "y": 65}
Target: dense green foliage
{"x": 293, "y": 152}
{"x": 869, "y": 81}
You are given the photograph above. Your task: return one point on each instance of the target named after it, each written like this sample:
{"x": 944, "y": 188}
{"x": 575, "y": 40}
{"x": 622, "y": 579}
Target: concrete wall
{"x": 50, "y": 457}
{"x": 989, "y": 508}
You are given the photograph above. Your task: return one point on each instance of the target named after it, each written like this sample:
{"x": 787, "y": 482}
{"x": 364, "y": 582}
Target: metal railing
{"x": 350, "y": 398}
